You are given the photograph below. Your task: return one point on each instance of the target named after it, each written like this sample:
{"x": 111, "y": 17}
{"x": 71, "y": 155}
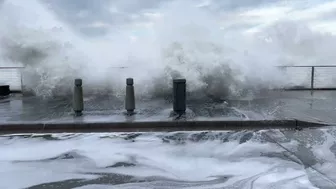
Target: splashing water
{"x": 221, "y": 50}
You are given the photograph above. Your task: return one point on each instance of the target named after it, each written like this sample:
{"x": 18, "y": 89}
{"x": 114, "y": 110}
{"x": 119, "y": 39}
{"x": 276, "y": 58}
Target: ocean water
{"x": 246, "y": 159}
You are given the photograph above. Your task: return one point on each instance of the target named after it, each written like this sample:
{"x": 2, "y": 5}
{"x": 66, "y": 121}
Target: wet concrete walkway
{"x": 271, "y": 105}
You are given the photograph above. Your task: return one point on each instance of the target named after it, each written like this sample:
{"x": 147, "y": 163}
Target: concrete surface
{"x": 153, "y": 126}
{"x": 317, "y": 107}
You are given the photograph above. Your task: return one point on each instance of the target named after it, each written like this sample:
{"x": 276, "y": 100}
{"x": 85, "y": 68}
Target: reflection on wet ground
{"x": 302, "y": 105}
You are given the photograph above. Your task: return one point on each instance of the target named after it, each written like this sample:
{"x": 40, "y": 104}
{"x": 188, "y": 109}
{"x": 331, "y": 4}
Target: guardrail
{"x": 312, "y": 77}
{"x": 312, "y": 82}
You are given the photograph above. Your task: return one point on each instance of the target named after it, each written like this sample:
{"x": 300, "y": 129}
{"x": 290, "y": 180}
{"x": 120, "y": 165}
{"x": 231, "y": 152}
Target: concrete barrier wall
{"x": 154, "y": 126}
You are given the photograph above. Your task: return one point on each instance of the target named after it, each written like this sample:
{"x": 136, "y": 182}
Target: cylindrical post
{"x": 78, "y": 102}
{"x": 130, "y": 98}
{"x": 312, "y": 78}
{"x": 179, "y": 94}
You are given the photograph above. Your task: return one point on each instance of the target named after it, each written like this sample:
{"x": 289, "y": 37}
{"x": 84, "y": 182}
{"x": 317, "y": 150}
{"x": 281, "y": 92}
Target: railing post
{"x": 312, "y": 78}
{"x": 21, "y": 81}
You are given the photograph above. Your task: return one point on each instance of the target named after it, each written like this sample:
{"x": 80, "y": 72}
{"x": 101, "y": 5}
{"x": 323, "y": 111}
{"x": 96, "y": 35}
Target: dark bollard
{"x": 130, "y": 98}
{"x": 179, "y": 92}
{"x": 78, "y": 102}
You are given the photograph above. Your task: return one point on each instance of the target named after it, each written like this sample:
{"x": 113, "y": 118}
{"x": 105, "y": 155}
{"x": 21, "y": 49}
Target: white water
{"x": 220, "y": 49}
{"x": 172, "y": 160}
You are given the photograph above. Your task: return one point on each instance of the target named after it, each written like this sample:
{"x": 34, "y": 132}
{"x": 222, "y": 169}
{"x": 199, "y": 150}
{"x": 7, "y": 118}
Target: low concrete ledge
{"x": 152, "y": 126}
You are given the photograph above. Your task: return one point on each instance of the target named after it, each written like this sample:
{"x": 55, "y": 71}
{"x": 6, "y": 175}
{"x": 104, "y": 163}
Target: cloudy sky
{"x": 98, "y": 16}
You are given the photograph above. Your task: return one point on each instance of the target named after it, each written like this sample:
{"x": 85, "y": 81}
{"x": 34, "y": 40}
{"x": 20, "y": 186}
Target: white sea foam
{"x": 171, "y": 160}
{"x": 220, "y": 50}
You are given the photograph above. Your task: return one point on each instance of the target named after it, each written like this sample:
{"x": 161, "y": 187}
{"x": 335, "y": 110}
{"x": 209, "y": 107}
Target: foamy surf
{"x": 264, "y": 159}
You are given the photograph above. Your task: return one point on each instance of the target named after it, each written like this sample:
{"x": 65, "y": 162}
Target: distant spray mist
{"x": 182, "y": 40}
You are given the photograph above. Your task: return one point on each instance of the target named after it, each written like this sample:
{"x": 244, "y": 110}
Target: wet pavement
{"x": 302, "y": 105}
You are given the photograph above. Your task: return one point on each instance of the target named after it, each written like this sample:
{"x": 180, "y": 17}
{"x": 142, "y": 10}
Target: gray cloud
{"x": 83, "y": 14}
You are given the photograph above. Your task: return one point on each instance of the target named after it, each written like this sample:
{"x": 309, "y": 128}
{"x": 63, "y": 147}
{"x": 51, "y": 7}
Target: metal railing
{"x": 312, "y": 77}
{"x": 12, "y": 72}
{"x": 312, "y": 85}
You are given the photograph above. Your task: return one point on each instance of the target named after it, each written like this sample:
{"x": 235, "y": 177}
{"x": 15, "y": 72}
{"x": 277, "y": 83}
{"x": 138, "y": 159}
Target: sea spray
{"x": 177, "y": 39}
